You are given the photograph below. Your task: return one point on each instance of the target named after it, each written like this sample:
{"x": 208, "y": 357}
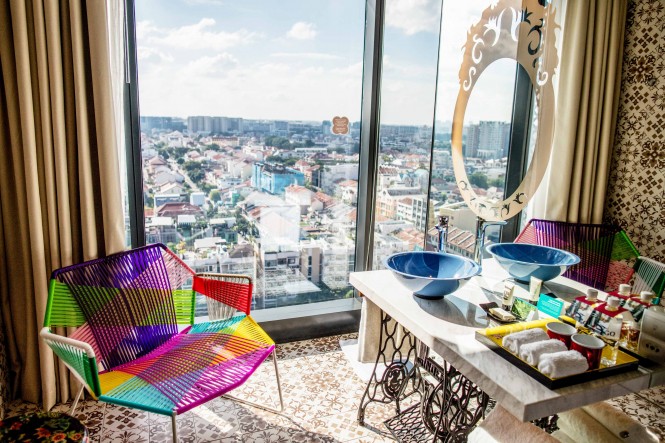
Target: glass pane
{"x": 486, "y": 136}
{"x": 250, "y": 138}
{"x": 408, "y": 90}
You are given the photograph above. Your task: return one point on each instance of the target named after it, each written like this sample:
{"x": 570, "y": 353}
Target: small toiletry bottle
{"x": 535, "y": 285}
{"x": 507, "y": 301}
{"x": 622, "y": 294}
{"x": 636, "y": 304}
{"x": 582, "y": 307}
{"x": 633, "y": 335}
{"x": 606, "y": 318}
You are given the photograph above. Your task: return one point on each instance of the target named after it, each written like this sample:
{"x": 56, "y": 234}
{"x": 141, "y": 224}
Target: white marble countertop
{"x": 448, "y": 327}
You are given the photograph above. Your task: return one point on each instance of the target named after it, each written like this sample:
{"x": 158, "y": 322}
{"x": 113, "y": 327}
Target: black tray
{"x": 625, "y": 363}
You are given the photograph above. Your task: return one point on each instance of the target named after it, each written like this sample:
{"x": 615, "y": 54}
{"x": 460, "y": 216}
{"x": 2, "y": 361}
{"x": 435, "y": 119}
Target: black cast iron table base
{"x": 449, "y": 406}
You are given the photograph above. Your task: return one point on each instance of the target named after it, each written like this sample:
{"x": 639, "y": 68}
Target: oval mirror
{"x": 523, "y": 32}
{"x": 487, "y": 127}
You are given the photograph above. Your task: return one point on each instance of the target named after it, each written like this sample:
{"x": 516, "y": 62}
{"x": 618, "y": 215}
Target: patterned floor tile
{"x": 118, "y": 418}
{"x": 283, "y": 435}
{"x": 648, "y": 414}
{"x": 321, "y": 396}
{"x": 134, "y": 435}
{"x": 19, "y": 408}
{"x": 655, "y": 395}
{"x": 344, "y": 427}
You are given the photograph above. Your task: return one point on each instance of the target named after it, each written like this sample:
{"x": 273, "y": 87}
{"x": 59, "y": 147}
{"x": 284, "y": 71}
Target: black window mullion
{"x": 518, "y": 151}
{"x": 133, "y": 131}
{"x": 369, "y": 132}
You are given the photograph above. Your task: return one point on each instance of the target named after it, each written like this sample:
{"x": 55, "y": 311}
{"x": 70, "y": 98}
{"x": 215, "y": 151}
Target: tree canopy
{"x": 215, "y": 196}
{"x": 479, "y": 180}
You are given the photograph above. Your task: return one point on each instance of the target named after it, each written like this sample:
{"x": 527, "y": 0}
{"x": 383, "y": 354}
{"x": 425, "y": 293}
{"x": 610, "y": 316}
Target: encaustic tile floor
{"x": 321, "y": 397}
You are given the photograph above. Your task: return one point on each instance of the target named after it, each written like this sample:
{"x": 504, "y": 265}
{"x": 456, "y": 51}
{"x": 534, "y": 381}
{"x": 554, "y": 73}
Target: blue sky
{"x": 302, "y": 59}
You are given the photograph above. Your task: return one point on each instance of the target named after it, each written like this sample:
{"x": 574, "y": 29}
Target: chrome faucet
{"x": 481, "y": 226}
{"x": 442, "y": 229}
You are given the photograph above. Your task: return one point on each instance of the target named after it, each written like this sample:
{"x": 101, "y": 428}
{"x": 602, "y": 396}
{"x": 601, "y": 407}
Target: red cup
{"x": 561, "y": 331}
{"x": 590, "y": 347}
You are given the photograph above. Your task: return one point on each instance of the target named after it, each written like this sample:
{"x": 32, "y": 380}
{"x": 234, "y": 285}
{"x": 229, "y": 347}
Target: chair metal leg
{"x": 76, "y": 400}
{"x": 279, "y": 385}
{"x": 279, "y": 390}
{"x": 174, "y": 429}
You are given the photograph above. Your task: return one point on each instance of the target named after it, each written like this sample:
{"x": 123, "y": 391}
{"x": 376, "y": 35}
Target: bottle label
{"x": 580, "y": 309}
{"x": 605, "y": 322}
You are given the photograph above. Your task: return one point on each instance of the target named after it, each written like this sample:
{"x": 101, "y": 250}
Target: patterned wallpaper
{"x": 636, "y": 191}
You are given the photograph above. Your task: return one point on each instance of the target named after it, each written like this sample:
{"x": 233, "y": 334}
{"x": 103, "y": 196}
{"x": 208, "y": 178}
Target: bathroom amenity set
{"x": 554, "y": 353}
{"x": 618, "y": 318}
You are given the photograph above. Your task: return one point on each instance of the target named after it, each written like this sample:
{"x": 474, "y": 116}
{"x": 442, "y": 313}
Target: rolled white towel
{"x": 514, "y": 341}
{"x": 531, "y": 352}
{"x": 562, "y": 364}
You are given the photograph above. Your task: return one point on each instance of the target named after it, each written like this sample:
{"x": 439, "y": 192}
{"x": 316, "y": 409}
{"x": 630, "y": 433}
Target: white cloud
{"x": 302, "y": 31}
{"x": 145, "y": 28}
{"x": 413, "y": 16}
{"x": 209, "y": 66}
{"x": 271, "y": 90}
{"x": 147, "y": 53}
{"x": 306, "y": 55}
{"x": 199, "y": 36}
{"x": 205, "y": 2}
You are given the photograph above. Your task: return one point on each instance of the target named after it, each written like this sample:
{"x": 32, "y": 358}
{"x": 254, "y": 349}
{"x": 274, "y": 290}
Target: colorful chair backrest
{"x": 649, "y": 276}
{"x": 127, "y": 304}
{"x": 605, "y": 251}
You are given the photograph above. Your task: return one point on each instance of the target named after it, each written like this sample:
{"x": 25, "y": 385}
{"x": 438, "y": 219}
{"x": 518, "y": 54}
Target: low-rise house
{"x": 176, "y": 209}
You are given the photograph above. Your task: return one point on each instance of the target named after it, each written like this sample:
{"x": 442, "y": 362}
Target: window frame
{"x": 325, "y": 324}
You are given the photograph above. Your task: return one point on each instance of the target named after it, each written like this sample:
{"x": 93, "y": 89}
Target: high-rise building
{"x": 196, "y": 124}
{"x": 487, "y": 139}
{"x": 148, "y": 124}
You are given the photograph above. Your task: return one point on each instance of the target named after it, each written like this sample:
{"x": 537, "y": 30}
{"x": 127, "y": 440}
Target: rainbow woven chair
{"x": 136, "y": 343}
{"x": 649, "y": 275}
{"x": 606, "y": 253}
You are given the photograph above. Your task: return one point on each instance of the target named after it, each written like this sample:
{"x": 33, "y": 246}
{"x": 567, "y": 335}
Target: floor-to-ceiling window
{"x": 249, "y": 150}
{"x": 487, "y": 129}
{"x": 249, "y": 134}
{"x": 406, "y": 116}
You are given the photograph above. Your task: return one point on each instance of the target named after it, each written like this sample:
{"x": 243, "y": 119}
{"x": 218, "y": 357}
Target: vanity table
{"x": 470, "y": 375}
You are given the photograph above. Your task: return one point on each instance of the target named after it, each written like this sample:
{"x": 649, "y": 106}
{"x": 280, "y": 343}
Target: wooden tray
{"x": 492, "y": 337}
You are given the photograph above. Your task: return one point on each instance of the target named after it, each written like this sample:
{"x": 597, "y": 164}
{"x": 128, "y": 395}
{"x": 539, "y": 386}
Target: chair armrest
{"x": 78, "y": 356}
{"x": 233, "y": 290}
{"x": 236, "y": 278}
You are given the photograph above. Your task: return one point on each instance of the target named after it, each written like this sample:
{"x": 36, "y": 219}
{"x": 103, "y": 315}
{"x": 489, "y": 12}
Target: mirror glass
{"x": 487, "y": 125}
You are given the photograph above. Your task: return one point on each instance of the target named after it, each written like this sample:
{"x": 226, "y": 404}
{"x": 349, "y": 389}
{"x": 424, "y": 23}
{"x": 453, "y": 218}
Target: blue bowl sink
{"x": 523, "y": 261}
{"x": 431, "y": 275}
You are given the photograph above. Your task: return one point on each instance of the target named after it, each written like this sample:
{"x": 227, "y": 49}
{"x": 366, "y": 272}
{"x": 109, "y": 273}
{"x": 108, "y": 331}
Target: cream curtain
{"x": 60, "y": 197}
{"x": 587, "y": 101}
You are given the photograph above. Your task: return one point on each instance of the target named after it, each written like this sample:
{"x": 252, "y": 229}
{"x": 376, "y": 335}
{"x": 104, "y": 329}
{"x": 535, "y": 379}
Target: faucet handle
{"x": 486, "y": 224}
{"x": 443, "y": 224}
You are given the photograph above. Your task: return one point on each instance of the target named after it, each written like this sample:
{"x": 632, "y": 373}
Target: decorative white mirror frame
{"x": 522, "y": 31}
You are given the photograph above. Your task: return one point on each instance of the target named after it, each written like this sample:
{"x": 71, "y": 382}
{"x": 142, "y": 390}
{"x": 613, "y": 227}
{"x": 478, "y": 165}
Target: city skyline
{"x": 186, "y": 118}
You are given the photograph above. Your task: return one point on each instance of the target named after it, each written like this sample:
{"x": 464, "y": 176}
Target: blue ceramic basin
{"x": 431, "y": 275}
{"x": 523, "y": 261}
